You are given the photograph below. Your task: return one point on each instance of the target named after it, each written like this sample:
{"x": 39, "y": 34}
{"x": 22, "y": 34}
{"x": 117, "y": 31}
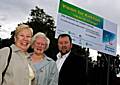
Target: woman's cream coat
{"x": 17, "y": 72}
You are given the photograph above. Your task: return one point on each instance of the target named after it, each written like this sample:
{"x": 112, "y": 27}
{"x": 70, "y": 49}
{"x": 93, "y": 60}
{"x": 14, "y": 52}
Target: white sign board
{"x": 86, "y": 29}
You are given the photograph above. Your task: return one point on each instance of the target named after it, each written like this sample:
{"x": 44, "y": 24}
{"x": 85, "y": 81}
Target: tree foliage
{"x": 41, "y": 22}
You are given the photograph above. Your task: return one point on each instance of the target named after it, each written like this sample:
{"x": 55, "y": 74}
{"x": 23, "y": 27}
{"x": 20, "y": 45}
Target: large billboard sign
{"x": 86, "y": 29}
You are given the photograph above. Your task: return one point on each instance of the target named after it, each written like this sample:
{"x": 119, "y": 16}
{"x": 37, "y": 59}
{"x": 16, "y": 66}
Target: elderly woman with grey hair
{"x": 46, "y": 69}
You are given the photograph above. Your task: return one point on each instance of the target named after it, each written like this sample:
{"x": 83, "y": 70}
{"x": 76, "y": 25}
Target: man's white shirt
{"x": 60, "y": 60}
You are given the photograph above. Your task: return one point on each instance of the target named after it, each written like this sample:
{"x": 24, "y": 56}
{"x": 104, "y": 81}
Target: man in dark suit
{"x": 71, "y": 67}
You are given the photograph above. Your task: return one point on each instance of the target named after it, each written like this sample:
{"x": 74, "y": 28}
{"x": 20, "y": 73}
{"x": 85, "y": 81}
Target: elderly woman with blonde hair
{"x": 46, "y": 69}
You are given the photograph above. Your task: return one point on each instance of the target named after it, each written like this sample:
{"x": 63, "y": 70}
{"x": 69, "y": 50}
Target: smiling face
{"x": 64, "y": 45}
{"x": 39, "y": 45}
{"x": 23, "y": 38}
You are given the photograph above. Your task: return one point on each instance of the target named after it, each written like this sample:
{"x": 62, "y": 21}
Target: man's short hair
{"x": 65, "y": 35}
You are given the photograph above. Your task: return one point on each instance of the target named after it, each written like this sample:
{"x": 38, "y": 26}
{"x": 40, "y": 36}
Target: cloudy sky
{"x": 13, "y": 12}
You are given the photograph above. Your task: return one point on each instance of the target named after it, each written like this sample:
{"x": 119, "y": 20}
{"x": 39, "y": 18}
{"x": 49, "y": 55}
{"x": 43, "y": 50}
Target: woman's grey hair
{"x": 40, "y": 34}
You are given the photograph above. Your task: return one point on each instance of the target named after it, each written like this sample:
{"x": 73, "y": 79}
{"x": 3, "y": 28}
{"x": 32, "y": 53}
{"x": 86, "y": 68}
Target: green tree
{"x": 40, "y": 21}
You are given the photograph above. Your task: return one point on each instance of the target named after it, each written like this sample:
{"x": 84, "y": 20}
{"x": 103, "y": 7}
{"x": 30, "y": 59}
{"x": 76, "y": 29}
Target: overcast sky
{"x": 13, "y": 12}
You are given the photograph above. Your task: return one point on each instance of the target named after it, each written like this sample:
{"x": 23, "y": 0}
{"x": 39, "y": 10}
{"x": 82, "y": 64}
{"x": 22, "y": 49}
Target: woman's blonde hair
{"x": 40, "y": 34}
{"x": 22, "y": 27}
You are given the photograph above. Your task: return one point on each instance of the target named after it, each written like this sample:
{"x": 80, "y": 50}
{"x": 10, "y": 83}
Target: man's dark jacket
{"x": 73, "y": 71}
